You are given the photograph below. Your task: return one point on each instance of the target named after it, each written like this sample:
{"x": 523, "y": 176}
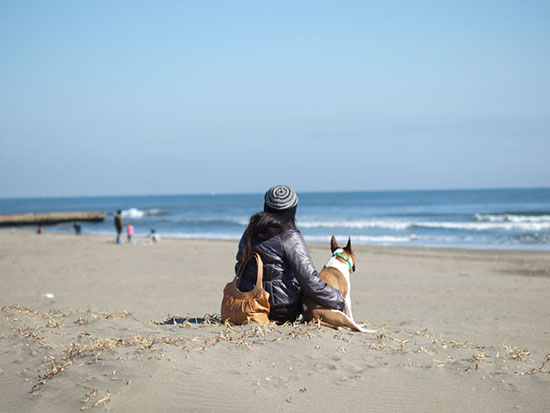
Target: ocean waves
{"x": 487, "y": 226}
{"x": 206, "y": 222}
{"x": 358, "y": 224}
{"x": 512, "y": 218}
{"x": 477, "y": 218}
{"x": 376, "y": 229}
{"x": 525, "y": 224}
{"x": 366, "y": 239}
{"x": 134, "y": 213}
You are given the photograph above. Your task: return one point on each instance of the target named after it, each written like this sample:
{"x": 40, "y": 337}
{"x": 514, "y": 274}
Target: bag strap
{"x": 260, "y": 269}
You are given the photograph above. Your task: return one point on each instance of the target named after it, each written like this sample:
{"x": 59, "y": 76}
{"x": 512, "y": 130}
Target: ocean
{"x": 489, "y": 218}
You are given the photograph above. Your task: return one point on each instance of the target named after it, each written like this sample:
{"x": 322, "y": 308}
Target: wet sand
{"x": 134, "y": 328}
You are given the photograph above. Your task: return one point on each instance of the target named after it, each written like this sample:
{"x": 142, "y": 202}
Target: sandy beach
{"x": 89, "y": 325}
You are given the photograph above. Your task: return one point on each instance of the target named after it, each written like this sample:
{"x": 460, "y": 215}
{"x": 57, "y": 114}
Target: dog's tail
{"x": 336, "y": 319}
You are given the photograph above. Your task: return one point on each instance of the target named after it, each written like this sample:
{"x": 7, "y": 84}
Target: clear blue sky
{"x": 128, "y": 97}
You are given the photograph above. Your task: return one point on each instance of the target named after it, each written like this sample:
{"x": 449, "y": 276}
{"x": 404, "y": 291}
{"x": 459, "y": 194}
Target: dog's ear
{"x": 333, "y": 244}
{"x": 348, "y": 246}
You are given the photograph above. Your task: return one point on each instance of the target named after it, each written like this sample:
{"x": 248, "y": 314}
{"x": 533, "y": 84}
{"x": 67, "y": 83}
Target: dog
{"x": 336, "y": 272}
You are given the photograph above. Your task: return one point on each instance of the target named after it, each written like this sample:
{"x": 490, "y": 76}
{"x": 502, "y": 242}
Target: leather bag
{"x": 241, "y": 306}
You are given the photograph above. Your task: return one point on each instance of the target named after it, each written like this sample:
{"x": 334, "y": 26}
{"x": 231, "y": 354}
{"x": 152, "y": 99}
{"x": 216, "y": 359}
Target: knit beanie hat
{"x": 280, "y": 199}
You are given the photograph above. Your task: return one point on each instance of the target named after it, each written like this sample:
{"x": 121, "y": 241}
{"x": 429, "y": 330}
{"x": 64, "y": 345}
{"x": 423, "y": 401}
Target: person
{"x": 130, "y": 233}
{"x": 77, "y": 228}
{"x": 155, "y": 237}
{"x": 289, "y": 272}
{"x": 118, "y": 225}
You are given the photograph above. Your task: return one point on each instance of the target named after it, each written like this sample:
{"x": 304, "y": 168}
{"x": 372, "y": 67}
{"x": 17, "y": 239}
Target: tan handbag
{"x": 238, "y": 306}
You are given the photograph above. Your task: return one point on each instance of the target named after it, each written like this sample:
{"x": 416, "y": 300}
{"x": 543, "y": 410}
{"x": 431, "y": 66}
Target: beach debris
{"x": 57, "y": 366}
{"x": 423, "y": 350}
{"x": 458, "y": 344}
{"x": 117, "y": 314}
{"x": 52, "y": 323}
{"x": 516, "y": 354}
{"x": 48, "y": 295}
{"x": 83, "y": 348}
{"x": 478, "y": 356}
{"x": 97, "y": 403}
{"x": 30, "y": 334}
{"x": 449, "y": 360}
{"x": 81, "y": 320}
{"x": 381, "y": 334}
{"x": 402, "y": 345}
{"x": 376, "y": 346}
{"x": 43, "y": 314}
{"x": 228, "y": 326}
{"x": 538, "y": 369}
{"x": 89, "y": 394}
{"x": 103, "y": 400}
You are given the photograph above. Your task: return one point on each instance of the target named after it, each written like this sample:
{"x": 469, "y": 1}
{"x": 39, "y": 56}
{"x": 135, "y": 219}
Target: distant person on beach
{"x": 130, "y": 228}
{"x": 288, "y": 268}
{"x": 118, "y": 225}
{"x": 155, "y": 237}
{"x": 40, "y": 230}
{"x": 77, "y": 228}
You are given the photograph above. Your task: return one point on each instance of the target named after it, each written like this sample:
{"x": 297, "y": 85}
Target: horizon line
{"x": 213, "y": 193}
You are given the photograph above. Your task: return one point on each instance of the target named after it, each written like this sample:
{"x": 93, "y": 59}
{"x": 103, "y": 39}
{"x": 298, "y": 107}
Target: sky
{"x": 190, "y": 97}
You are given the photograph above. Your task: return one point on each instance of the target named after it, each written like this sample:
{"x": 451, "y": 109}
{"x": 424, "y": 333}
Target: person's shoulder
{"x": 292, "y": 234}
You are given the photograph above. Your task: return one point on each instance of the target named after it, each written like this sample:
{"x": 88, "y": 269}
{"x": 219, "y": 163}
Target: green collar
{"x": 339, "y": 254}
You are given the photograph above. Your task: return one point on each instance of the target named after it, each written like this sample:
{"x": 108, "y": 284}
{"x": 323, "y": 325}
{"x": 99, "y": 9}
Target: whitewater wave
{"x": 205, "y": 235}
{"x": 395, "y": 225}
{"x": 481, "y": 222}
{"x": 208, "y": 221}
{"x": 485, "y": 226}
{"x": 135, "y": 213}
{"x": 511, "y": 218}
{"x": 359, "y": 239}
{"x": 492, "y": 223}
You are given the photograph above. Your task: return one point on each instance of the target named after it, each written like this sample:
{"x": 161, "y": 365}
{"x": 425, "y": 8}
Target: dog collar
{"x": 339, "y": 254}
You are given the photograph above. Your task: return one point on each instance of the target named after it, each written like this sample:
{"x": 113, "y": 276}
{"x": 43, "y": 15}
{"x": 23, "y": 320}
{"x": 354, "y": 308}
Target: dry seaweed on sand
{"x": 89, "y": 394}
{"x": 30, "y": 311}
{"x": 538, "y": 369}
{"x": 117, "y": 314}
{"x": 208, "y": 320}
{"x": 516, "y": 354}
{"x": 57, "y": 366}
{"x": 203, "y": 333}
{"x": 102, "y": 401}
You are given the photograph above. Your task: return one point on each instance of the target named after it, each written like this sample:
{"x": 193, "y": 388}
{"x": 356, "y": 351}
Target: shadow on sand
{"x": 207, "y": 319}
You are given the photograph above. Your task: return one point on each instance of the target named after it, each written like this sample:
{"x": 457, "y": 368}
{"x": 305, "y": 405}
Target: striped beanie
{"x": 280, "y": 197}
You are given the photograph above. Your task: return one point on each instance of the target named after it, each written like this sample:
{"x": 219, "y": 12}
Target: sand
{"x": 134, "y": 328}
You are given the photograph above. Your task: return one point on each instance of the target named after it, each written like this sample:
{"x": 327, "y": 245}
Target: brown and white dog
{"x": 336, "y": 272}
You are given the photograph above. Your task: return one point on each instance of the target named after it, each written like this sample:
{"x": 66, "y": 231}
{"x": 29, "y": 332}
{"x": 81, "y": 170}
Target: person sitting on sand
{"x": 155, "y": 237}
{"x": 288, "y": 268}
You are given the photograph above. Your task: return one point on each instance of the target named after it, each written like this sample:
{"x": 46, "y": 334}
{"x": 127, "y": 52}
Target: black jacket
{"x": 118, "y": 223}
{"x": 288, "y": 272}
